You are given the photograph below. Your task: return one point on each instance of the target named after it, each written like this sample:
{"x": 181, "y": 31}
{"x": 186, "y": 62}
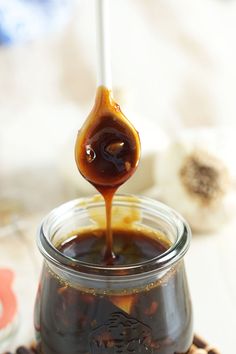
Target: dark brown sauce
{"x": 131, "y": 246}
{"x": 153, "y": 319}
{"x": 107, "y": 153}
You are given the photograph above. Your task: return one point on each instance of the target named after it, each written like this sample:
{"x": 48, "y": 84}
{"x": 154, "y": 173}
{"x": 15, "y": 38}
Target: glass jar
{"x": 85, "y": 308}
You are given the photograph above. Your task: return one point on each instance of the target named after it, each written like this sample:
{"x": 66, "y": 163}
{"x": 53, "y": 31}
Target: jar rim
{"x": 161, "y": 262}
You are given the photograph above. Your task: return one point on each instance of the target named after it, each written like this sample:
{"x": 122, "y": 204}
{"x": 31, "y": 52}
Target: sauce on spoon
{"x": 107, "y": 153}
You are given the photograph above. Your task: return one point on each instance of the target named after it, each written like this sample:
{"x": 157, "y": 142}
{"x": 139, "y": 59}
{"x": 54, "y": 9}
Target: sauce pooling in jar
{"x": 107, "y": 153}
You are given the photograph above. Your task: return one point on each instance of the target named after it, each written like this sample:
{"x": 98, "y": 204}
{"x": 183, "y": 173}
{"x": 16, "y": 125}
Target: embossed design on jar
{"x": 122, "y": 334}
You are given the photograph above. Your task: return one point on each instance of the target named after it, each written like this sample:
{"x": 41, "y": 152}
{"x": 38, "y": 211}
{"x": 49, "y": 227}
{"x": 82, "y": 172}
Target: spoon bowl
{"x": 107, "y": 149}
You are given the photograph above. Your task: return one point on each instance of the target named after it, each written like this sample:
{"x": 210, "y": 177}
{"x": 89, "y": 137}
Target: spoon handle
{"x": 103, "y": 43}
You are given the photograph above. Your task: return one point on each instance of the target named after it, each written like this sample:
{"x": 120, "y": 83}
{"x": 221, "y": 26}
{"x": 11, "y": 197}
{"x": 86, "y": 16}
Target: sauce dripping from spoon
{"x": 107, "y": 153}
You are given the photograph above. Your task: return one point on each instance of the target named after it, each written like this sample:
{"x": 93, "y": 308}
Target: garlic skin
{"x": 204, "y": 177}
{"x": 193, "y": 178}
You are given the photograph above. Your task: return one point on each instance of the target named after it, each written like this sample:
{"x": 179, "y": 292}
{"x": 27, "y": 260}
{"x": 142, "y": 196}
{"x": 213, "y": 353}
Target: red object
{"x": 8, "y": 303}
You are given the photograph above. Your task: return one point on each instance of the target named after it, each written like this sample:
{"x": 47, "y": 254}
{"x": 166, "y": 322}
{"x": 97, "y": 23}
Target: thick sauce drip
{"x": 107, "y": 153}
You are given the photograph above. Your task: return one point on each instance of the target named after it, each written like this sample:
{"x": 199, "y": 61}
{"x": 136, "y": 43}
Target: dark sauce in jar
{"x": 78, "y": 320}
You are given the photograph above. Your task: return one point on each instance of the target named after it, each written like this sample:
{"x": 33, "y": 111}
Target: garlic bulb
{"x": 194, "y": 178}
{"x": 204, "y": 177}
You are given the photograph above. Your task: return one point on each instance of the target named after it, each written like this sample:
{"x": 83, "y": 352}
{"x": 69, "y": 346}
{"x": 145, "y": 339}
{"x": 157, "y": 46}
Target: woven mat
{"x": 200, "y": 346}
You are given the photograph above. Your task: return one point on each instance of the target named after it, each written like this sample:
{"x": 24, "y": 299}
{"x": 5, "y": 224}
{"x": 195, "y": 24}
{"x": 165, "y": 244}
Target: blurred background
{"x": 174, "y": 75}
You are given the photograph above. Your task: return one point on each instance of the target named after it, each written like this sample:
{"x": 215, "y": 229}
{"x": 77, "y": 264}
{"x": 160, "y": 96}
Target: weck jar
{"x": 92, "y": 308}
